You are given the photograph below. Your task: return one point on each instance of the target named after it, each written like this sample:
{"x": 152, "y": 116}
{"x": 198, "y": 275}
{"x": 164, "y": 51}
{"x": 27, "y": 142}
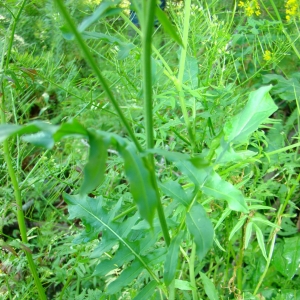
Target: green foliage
{"x": 171, "y": 167}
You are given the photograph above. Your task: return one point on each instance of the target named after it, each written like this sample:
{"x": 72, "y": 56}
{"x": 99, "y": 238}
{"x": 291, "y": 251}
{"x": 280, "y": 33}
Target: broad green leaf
{"x": 167, "y": 26}
{"x": 190, "y": 75}
{"x": 147, "y": 291}
{"x": 141, "y": 185}
{"x": 258, "y": 108}
{"x": 248, "y": 234}
{"x": 200, "y": 227}
{"x": 184, "y": 285}
{"x": 174, "y": 190}
{"x": 260, "y": 240}
{"x": 220, "y": 189}
{"x": 126, "y": 277}
{"x": 209, "y": 287}
{"x": 94, "y": 170}
{"x": 172, "y": 259}
{"x": 237, "y": 226}
{"x": 286, "y": 258}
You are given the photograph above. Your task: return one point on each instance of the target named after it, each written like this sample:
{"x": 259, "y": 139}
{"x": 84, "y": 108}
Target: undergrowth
{"x": 151, "y": 162}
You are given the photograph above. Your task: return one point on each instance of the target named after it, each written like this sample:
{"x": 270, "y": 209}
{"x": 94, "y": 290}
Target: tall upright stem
{"x": 147, "y": 31}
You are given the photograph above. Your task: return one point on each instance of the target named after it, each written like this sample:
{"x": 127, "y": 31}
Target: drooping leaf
{"x": 141, "y": 185}
{"x": 201, "y": 228}
{"x": 258, "y": 108}
{"x": 209, "y": 287}
{"x": 216, "y": 187}
{"x": 260, "y": 240}
{"x": 237, "y": 226}
{"x": 172, "y": 259}
{"x": 248, "y": 234}
{"x": 95, "y": 168}
{"x": 167, "y": 26}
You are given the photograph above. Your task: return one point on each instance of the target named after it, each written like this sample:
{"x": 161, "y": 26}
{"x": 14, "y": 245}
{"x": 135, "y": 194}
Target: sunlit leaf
{"x": 200, "y": 227}
{"x": 238, "y": 226}
{"x": 258, "y": 108}
{"x": 220, "y": 189}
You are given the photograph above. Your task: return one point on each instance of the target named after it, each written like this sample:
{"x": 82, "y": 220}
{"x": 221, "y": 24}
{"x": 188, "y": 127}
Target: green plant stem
{"x": 275, "y": 230}
{"x": 192, "y": 271}
{"x": 147, "y": 31}
{"x": 240, "y": 264}
{"x": 94, "y": 66}
{"x": 186, "y": 25}
{"x": 20, "y": 214}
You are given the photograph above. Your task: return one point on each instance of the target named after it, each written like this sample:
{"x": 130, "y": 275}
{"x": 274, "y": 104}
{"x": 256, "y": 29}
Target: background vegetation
{"x": 226, "y": 154}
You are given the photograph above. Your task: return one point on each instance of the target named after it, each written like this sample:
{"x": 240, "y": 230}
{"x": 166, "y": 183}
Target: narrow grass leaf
{"x": 167, "y": 26}
{"x": 220, "y": 189}
{"x": 209, "y": 287}
{"x": 147, "y": 291}
{"x": 141, "y": 185}
{"x": 260, "y": 240}
{"x": 94, "y": 170}
{"x": 258, "y": 108}
{"x": 201, "y": 228}
{"x": 172, "y": 259}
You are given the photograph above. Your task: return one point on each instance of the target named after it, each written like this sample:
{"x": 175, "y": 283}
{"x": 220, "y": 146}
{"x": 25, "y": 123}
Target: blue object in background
{"x": 134, "y": 18}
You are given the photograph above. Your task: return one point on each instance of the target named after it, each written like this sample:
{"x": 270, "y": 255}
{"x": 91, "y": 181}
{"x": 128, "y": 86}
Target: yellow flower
{"x": 267, "y": 55}
{"x": 291, "y": 9}
{"x": 251, "y": 7}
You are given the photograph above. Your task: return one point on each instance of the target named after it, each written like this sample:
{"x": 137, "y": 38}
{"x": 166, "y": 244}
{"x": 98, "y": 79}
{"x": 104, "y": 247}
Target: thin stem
{"x": 18, "y": 198}
{"x": 147, "y": 31}
{"x": 94, "y": 66}
{"x": 192, "y": 271}
{"x": 186, "y": 25}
